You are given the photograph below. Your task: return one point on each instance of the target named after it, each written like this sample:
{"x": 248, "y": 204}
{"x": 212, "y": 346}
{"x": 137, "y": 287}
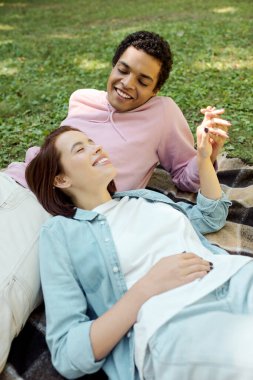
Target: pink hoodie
{"x": 136, "y": 141}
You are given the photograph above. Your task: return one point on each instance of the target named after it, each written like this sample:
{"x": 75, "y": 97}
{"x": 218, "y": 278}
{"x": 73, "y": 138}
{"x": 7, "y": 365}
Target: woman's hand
{"x": 168, "y": 273}
{"x": 217, "y": 129}
{"x": 210, "y": 139}
{"x": 173, "y": 271}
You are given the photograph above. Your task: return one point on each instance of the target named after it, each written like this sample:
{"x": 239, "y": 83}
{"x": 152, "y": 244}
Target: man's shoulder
{"x": 168, "y": 105}
{"x": 87, "y": 93}
{"x": 165, "y": 100}
{"x": 161, "y": 102}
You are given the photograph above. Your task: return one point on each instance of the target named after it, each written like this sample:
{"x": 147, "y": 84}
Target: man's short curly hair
{"x": 152, "y": 44}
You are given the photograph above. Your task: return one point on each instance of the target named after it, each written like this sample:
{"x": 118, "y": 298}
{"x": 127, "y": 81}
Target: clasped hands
{"x": 215, "y": 128}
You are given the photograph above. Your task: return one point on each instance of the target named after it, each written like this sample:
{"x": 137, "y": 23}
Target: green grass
{"x": 50, "y": 48}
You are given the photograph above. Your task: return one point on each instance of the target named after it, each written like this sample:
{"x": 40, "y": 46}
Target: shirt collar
{"x": 85, "y": 214}
{"x": 144, "y": 193}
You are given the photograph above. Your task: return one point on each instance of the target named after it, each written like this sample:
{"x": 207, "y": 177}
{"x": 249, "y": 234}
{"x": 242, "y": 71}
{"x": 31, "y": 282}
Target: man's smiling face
{"x": 132, "y": 80}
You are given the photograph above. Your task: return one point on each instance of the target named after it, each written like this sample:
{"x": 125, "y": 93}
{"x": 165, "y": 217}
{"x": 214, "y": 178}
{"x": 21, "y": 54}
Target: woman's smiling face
{"x": 132, "y": 80}
{"x": 85, "y": 165}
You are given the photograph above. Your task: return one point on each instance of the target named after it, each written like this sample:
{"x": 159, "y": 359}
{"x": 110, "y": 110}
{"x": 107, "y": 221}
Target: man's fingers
{"x": 207, "y": 109}
{"x": 218, "y": 132}
{"x": 219, "y": 121}
{"x": 218, "y": 127}
{"x": 211, "y": 114}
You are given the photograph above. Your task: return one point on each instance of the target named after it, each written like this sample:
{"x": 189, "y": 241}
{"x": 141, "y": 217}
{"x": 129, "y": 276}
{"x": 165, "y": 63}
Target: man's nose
{"x": 128, "y": 81}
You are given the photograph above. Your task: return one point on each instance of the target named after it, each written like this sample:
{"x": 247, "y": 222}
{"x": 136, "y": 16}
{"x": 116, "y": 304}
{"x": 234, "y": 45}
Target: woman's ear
{"x": 62, "y": 181}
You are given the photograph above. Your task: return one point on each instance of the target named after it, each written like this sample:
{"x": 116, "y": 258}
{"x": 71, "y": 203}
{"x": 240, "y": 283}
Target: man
{"x": 137, "y": 127}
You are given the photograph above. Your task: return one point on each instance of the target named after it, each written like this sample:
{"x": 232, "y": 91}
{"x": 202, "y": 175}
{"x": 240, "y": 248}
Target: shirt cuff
{"x": 205, "y": 203}
{"x": 80, "y": 349}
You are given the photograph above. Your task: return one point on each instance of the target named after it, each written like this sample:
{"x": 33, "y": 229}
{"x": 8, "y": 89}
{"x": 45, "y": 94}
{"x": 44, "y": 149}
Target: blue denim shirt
{"x": 82, "y": 279}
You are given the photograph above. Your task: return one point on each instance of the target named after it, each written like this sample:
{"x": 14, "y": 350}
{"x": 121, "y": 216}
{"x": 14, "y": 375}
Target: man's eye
{"x": 143, "y": 84}
{"x": 80, "y": 150}
{"x": 122, "y": 71}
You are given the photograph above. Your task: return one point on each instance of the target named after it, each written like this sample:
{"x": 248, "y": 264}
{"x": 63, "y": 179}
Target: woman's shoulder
{"x": 58, "y": 222}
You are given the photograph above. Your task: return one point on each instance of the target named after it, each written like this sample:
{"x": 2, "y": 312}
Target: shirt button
{"x": 102, "y": 222}
{"x": 107, "y": 239}
{"x": 128, "y": 334}
{"x": 115, "y": 269}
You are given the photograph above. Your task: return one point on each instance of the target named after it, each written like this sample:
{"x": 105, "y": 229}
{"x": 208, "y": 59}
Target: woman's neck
{"x": 92, "y": 200}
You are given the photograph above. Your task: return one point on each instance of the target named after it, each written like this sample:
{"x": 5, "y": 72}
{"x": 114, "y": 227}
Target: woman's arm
{"x": 210, "y": 212}
{"x": 209, "y": 183}
{"x": 67, "y": 322}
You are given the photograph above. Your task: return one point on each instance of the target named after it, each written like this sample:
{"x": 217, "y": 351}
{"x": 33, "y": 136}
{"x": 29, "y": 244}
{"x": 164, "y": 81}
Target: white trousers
{"x": 21, "y": 217}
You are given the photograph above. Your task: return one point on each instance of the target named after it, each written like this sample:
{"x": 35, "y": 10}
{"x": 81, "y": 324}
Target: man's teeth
{"x": 121, "y": 93}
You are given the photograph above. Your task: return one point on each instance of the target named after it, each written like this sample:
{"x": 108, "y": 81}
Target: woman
{"x": 129, "y": 282}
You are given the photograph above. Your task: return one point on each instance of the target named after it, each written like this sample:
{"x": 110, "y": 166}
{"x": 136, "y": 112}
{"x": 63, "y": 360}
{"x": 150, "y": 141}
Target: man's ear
{"x": 156, "y": 91}
{"x": 62, "y": 181}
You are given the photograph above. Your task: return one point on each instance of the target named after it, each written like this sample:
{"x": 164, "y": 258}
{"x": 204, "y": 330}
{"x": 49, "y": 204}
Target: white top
{"x": 168, "y": 232}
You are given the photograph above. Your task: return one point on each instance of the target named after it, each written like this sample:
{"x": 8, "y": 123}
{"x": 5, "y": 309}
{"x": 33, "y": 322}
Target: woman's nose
{"x": 96, "y": 148}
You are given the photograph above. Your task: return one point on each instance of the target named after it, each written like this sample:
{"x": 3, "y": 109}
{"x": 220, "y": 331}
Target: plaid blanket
{"x": 29, "y": 358}
{"x": 236, "y": 180}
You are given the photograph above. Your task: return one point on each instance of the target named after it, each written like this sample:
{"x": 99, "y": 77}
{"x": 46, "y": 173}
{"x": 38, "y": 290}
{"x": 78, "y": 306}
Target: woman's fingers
{"x": 195, "y": 275}
{"x": 217, "y": 132}
{"x": 191, "y": 262}
{"x": 196, "y": 268}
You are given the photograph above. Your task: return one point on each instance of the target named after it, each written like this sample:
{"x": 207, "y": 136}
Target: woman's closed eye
{"x": 80, "y": 147}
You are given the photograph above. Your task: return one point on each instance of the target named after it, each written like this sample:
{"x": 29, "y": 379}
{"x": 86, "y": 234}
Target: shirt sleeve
{"x": 68, "y": 325}
{"x": 208, "y": 215}
{"x": 16, "y": 170}
{"x": 176, "y": 149}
